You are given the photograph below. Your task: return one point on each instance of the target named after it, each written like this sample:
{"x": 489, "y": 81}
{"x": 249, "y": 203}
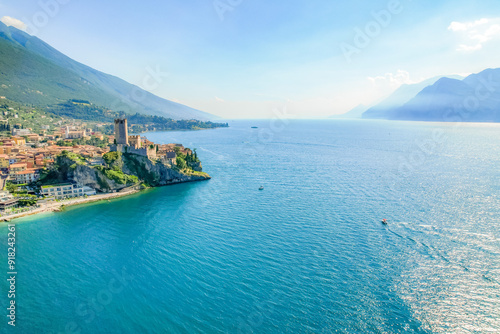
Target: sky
{"x": 250, "y": 58}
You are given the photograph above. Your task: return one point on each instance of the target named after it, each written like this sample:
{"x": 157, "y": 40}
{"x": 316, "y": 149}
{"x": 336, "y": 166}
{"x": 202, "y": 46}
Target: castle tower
{"x": 121, "y": 131}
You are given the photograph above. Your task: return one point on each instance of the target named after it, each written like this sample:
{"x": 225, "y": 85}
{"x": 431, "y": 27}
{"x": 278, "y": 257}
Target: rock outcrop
{"x": 157, "y": 173}
{"x": 94, "y": 178}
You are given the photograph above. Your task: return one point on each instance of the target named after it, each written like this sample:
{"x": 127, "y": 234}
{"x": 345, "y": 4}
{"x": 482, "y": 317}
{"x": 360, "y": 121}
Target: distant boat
{"x": 384, "y": 221}
{"x": 255, "y": 127}
{"x": 261, "y": 188}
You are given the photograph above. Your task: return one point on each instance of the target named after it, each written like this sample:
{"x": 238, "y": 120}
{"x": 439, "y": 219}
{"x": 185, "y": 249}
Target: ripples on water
{"x": 306, "y": 255}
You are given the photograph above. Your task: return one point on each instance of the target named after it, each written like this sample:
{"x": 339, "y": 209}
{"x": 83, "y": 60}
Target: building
{"x": 26, "y": 176}
{"x": 33, "y": 137}
{"x": 135, "y": 141}
{"x": 20, "y": 132}
{"x": 7, "y": 201}
{"x": 6, "y": 149}
{"x": 97, "y": 161}
{"x": 13, "y": 159}
{"x": 121, "y": 131}
{"x": 19, "y": 140}
{"x": 4, "y": 161}
{"x": 73, "y": 134}
{"x": 170, "y": 158}
{"x": 131, "y": 144}
{"x": 17, "y": 167}
{"x": 66, "y": 190}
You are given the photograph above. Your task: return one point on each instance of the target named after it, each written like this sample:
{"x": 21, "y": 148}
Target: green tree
{"x": 11, "y": 187}
{"x": 111, "y": 157}
{"x": 181, "y": 163}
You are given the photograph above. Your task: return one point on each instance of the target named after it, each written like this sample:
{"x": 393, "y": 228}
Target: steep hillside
{"x": 31, "y": 71}
{"x": 474, "y": 99}
{"x": 386, "y": 108}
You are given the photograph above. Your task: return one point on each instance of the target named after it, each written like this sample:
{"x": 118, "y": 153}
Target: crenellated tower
{"x": 121, "y": 131}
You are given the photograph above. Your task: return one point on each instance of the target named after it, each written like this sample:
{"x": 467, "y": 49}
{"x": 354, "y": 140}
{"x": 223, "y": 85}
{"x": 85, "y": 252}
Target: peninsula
{"x": 54, "y": 176}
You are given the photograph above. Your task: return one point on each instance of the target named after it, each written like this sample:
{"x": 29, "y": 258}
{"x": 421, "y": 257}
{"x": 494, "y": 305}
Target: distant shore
{"x": 56, "y": 206}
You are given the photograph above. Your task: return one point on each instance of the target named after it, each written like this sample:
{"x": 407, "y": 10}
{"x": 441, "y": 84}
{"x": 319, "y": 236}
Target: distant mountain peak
{"x": 449, "y": 99}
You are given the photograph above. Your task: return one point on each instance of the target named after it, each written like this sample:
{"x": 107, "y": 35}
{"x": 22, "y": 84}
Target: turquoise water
{"x": 308, "y": 254}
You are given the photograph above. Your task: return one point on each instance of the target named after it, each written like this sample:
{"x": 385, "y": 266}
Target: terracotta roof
{"x": 28, "y": 171}
{"x": 23, "y": 164}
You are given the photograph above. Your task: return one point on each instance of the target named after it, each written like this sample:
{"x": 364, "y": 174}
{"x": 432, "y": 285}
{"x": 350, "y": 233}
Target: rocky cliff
{"x": 158, "y": 174}
{"x": 124, "y": 171}
{"x": 94, "y": 178}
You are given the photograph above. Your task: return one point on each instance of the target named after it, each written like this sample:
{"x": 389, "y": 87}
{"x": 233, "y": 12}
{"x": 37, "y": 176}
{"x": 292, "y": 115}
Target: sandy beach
{"x": 56, "y": 206}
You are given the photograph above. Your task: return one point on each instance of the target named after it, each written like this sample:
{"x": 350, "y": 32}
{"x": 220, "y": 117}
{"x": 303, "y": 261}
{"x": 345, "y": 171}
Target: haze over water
{"x": 306, "y": 254}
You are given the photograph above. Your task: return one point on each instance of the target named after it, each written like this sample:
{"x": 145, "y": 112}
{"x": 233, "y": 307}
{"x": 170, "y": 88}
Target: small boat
{"x": 255, "y": 127}
{"x": 384, "y": 221}
{"x": 261, "y": 188}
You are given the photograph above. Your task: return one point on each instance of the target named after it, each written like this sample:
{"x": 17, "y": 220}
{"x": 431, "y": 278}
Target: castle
{"x": 131, "y": 144}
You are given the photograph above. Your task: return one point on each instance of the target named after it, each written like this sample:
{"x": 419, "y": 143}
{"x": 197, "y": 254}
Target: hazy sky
{"x": 242, "y": 58}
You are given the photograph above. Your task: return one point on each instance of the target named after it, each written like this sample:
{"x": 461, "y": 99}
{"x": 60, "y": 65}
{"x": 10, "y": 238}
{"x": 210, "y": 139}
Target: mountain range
{"x": 475, "y": 98}
{"x": 31, "y": 71}
{"x": 399, "y": 97}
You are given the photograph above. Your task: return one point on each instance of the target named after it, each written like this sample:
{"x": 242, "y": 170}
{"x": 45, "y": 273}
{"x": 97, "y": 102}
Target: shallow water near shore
{"x": 308, "y": 254}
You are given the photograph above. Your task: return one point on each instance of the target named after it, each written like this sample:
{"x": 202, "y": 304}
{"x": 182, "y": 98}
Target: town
{"x": 26, "y": 155}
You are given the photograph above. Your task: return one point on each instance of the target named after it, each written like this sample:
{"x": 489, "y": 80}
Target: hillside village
{"x": 29, "y": 162}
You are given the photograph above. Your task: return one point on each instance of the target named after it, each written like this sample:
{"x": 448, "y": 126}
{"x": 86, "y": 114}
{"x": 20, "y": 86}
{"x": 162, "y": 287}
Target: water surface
{"x": 308, "y": 254}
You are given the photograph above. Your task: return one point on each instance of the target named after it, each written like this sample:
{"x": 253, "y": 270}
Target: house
{"x": 13, "y": 160}
{"x": 4, "y": 161}
{"x": 6, "y": 148}
{"x": 33, "y": 137}
{"x": 26, "y": 176}
{"x": 17, "y": 167}
{"x": 170, "y": 158}
{"x": 19, "y": 140}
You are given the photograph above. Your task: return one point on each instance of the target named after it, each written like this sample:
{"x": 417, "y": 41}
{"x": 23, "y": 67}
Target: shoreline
{"x": 56, "y": 206}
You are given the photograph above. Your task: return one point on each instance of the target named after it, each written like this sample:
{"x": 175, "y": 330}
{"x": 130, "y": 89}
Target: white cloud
{"x": 394, "y": 80}
{"x": 218, "y": 99}
{"x": 476, "y": 33}
{"x": 469, "y": 48}
{"x": 12, "y": 22}
{"x": 464, "y": 26}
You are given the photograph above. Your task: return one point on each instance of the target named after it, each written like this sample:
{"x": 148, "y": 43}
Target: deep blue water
{"x": 308, "y": 254}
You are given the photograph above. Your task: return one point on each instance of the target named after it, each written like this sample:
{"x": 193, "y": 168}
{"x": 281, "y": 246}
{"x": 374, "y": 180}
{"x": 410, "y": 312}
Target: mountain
{"x": 356, "y": 112}
{"x": 402, "y": 95}
{"x": 31, "y": 71}
{"x": 473, "y": 99}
